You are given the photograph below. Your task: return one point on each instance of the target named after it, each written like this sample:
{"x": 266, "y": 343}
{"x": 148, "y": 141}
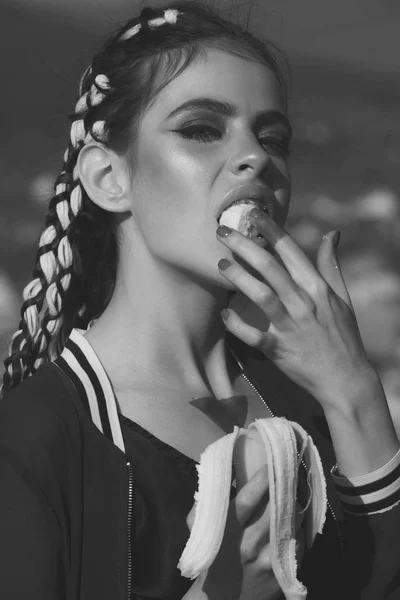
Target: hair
{"x": 76, "y": 262}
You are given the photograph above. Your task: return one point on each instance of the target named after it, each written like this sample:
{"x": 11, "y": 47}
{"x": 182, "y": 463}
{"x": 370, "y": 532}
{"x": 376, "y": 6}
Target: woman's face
{"x": 186, "y": 160}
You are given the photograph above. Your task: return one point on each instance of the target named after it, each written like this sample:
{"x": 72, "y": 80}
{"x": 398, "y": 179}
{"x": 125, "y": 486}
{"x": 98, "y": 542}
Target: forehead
{"x": 248, "y": 84}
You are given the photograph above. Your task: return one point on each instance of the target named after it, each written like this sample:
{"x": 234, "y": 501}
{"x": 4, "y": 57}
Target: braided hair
{"x": 76, "y": 261}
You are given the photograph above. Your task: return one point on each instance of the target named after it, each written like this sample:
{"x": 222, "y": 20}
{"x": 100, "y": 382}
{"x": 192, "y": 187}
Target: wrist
{"x": 352, "y": 397}
{"x": 362, "y": 431}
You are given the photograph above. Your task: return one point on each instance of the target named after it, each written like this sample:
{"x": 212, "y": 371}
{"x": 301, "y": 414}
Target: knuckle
{"x": 259, "y": 558}
{"x": 307, "y": 310}
{"x": 305, "y": 307}
{"x": 259, "y": 339}
{"x": 319, "y": 288}
{"x": 264, "y": 295}
{"x": 244, "y": 504}
{"x": 248, "y": 554}
{"x": 265, "y": 559}
{"x": 263, "y": 263}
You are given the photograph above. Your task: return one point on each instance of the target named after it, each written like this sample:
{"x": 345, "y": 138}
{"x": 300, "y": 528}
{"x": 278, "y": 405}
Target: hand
{"x": 313, "y": 335}
{"x": 242, "y": 569}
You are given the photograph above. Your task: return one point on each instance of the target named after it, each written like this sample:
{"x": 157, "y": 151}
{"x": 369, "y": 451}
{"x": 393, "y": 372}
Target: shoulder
{"x": 42, "y": 410}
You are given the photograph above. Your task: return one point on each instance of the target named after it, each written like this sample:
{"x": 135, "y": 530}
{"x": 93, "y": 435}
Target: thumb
{"x": 328, "y": 266}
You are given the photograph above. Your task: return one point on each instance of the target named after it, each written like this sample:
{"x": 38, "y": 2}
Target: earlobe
{"x": 104, "y": 178}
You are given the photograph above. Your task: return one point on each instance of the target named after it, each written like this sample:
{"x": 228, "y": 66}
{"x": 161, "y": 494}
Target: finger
{"x": 328, "y": 266}
{"x": 258, "y": 292}
{"x": 247, "y": 333}
{"x": 301, "y": 269}
{"x": 253, "y": 494}
{"x": 262, "y": 262}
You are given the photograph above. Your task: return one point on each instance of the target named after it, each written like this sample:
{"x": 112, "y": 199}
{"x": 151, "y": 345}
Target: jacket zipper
{"x": 335, "y": 519}
{"x": 129, "y": 525}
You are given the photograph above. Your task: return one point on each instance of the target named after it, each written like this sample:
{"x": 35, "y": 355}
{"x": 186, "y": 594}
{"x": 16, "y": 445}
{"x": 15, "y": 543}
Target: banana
{"x": 211, "y": 502}
{"x": 273, "y": 442}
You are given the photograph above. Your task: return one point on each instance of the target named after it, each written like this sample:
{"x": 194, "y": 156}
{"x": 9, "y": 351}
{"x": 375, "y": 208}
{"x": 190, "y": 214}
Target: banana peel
{"x": 274, "y": 442}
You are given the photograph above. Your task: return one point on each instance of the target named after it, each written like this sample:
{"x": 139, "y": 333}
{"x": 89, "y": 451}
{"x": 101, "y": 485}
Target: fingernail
{"x": 225, "y": 314}
{"x": 223, "y": 231}
{"x": 224, "y": 264}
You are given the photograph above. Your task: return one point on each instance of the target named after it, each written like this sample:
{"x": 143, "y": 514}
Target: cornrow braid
{"x": 37, "y": 339}
{"x": 170, "y": 16}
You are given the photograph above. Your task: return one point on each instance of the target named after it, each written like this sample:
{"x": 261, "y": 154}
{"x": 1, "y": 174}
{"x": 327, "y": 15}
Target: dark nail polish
{"x": 224, "y": 264}
{"x": 223, "y": 231}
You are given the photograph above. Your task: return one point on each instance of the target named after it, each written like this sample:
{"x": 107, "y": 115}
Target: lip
{"x": 260, "y": 193}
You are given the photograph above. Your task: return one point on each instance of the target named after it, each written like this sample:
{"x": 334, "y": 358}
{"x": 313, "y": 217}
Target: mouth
{"x": 248, "y": 202}
{"x": 248, "y": 196}
{"x": 236, "y": 216}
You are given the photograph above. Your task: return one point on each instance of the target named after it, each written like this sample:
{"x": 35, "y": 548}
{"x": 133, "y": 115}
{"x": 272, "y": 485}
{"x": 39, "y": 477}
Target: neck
{"x": 164, "y": 331}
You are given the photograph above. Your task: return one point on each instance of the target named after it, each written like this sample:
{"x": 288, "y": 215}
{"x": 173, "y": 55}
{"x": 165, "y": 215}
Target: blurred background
{"x": 345, "y": 109}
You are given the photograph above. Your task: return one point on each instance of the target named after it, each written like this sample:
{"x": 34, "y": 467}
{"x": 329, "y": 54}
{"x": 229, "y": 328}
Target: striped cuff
{"x": 372, "y": 493}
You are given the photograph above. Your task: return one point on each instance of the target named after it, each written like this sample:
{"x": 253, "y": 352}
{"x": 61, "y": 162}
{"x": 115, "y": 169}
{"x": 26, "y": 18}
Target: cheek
{"x": 164, "y": 184}
{"x": 172, "y": 174}
{"x": 171, "y": 192}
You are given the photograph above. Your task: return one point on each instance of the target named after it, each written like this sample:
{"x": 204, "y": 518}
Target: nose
{"x": 250, "y": 157}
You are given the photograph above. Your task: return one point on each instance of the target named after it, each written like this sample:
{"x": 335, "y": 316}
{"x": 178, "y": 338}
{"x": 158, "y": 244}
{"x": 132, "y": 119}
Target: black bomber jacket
{"x": 67, "y": 491}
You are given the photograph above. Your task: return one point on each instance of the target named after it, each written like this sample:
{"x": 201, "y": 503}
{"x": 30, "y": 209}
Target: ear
{"x": 105, "y": 177}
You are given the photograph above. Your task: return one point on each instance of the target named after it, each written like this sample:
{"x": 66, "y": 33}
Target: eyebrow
{"x": 230, "y": 110}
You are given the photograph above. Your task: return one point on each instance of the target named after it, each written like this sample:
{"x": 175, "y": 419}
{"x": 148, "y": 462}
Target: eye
{"x": 277, "y": 145}
{"x": 200, "y": 133}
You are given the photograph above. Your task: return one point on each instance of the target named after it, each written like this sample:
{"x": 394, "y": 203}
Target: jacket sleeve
{"x": 373, "y": 552}
{"x": 39, "y": 498}
{"x": 31, "y": 562}
{"x": 372, "y": 524}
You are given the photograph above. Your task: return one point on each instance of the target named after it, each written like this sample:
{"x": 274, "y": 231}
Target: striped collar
{"x": 79, "y": 361}
{"x": 81, "y": 364}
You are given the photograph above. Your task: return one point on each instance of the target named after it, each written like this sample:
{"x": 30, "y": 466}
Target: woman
{"x": 122, "y": 371}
